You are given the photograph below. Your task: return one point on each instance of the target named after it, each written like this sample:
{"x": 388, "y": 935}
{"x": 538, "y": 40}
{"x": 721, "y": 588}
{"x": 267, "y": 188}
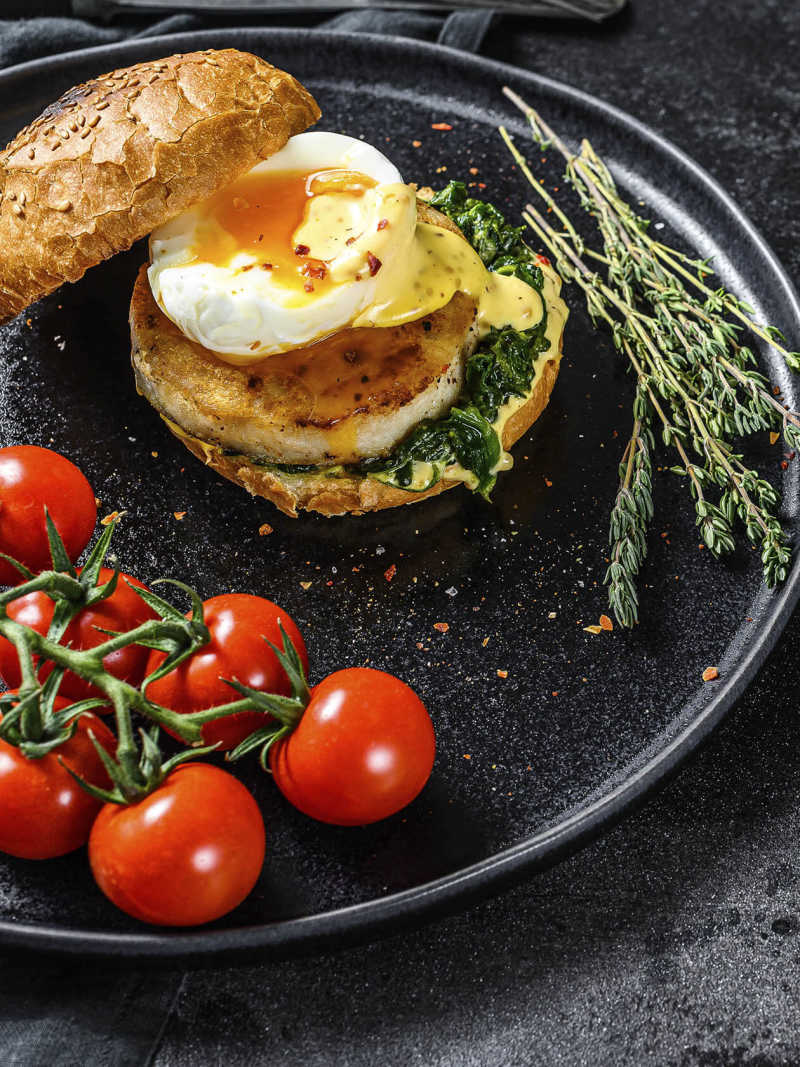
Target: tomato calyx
{"x": 288, "y": 711}
{"x": 135, "y": 773}
{"x": 31, "y": 723}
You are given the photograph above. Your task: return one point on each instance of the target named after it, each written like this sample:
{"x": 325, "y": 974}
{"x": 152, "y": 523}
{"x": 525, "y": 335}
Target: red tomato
{"x": 238, "y": 624}
{"x": 186, "y": 854}
{"x": 31, "y": 479}
{"x": 43, "y": 811}
{"x": 363, "y": 749}
{"x": 121, "y": 611}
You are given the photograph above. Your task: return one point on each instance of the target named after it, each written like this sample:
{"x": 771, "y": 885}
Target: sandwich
{"x": 309, "y": 325}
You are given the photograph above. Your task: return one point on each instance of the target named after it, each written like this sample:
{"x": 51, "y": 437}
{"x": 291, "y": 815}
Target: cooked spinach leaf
{"x": 463, "y": 436}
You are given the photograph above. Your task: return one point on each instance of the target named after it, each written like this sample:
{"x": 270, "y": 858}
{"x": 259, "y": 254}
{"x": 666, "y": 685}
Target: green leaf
{"x": 161, "y": 607}
{"x": 94, "y": 562}
{"x": 58, "y": 553}
{"x": 23, "y": 570}
{"x": 255, "y": 740}
{"x": 194, "y": 596}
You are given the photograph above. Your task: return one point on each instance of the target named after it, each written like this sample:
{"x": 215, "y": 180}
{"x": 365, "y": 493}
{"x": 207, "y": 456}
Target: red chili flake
{"x": 350, "y": 241}
{"x": 390, "y": 572}
{"x": 442, "y": 627}
{"x": 329, "y": 581}
{"x": 179, "y": 515}
{"x": 554, "y": 693}
{"x": 467, "y": 755}
{"x": 264, "y": 529}
{"x": 309, "y": 287}
{"x": 374, "y": 264}
{"x": 417, "y": 144}
{"x": 473, "y": 170}
{"x": 301, "y": 250}
{"x": 710, "y": 674}
{"x": 606, "y": 623}
{"x": 383, "y": 224}
{"x": 548, "y": 483}
{"x": 108, "y": 519}
{"x": 543, "y": 259}
{"x": 502, "y": 674}
{"x": 311, "y": 270}
{"x": 441, "y": 126}
{"x": 481, "y": 185}
{"x": 266, "y": 266}
{"x": 784, "y": 465}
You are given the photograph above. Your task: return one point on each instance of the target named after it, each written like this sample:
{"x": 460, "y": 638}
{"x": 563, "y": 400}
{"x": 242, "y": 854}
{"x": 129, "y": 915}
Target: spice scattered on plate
{"x": 390, "y": 572}
{"x": 441, "y": 126}
{"x": 264, "y": 529}
{"x": 502, "y": 674}
{"x": 710, "y": 674}
{"x": 442, "y": 627}
{"x": 179, "y": 515}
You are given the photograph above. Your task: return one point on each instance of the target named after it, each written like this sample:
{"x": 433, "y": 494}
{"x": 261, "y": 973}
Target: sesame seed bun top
{"x": 120, "y": 155}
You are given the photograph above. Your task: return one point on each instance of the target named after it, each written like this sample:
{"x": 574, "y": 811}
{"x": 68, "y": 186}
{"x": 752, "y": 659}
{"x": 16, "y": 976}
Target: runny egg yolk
{"x": 260, "y": 214}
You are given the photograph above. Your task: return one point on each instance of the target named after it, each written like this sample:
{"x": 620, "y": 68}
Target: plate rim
{"x": 411, "y": 907}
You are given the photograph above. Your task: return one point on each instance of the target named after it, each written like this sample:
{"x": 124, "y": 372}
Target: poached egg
{"x": 321, "y": 236}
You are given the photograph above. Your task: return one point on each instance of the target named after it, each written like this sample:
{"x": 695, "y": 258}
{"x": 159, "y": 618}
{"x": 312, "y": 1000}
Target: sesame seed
{"x": 94, "y": 120}
{"x": 16, "y": 209}
{"x": 101, "y": 105}
{"x": 62, "y": 205}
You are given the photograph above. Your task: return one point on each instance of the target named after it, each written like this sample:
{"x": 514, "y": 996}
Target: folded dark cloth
{"x": 24, "y": 39}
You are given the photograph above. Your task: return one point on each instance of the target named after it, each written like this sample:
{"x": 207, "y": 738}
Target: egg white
{"x": 245, "y": 316}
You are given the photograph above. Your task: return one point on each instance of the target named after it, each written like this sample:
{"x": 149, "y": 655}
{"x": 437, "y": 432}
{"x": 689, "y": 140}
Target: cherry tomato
{"x": 31, "y": 479}
{"x": 186, "y": 854}
{"x": 363, "y": 749}
{"x": 121, "y": 611}
{"x": 238, "y": 624}
{"x": 43, "y": 811}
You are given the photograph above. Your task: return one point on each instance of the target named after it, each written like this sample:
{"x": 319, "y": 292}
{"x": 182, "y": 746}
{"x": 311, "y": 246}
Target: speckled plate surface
{"x": 529, "y": 765}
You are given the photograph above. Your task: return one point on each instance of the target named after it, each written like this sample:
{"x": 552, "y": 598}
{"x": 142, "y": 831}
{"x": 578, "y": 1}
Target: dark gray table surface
{"x": 674, "y": 940}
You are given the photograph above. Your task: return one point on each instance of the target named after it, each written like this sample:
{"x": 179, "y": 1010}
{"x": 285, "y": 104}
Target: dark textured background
{"x": 673, "y": 940}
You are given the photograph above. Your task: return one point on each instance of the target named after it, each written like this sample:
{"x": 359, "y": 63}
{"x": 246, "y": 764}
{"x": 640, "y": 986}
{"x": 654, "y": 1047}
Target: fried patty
{"x": 348, "y": 397}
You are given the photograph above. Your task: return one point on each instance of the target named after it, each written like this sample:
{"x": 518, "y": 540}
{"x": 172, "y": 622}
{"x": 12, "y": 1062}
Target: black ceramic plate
{"x": 583, "y": 726}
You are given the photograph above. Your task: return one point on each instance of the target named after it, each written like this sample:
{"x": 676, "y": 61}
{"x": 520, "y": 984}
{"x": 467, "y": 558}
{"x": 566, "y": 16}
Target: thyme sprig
{"x": 695, "y": 377}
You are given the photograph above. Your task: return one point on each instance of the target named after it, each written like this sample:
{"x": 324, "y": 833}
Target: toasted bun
{"x": 337, "y": 496}
{"x": 120, "y": 155}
